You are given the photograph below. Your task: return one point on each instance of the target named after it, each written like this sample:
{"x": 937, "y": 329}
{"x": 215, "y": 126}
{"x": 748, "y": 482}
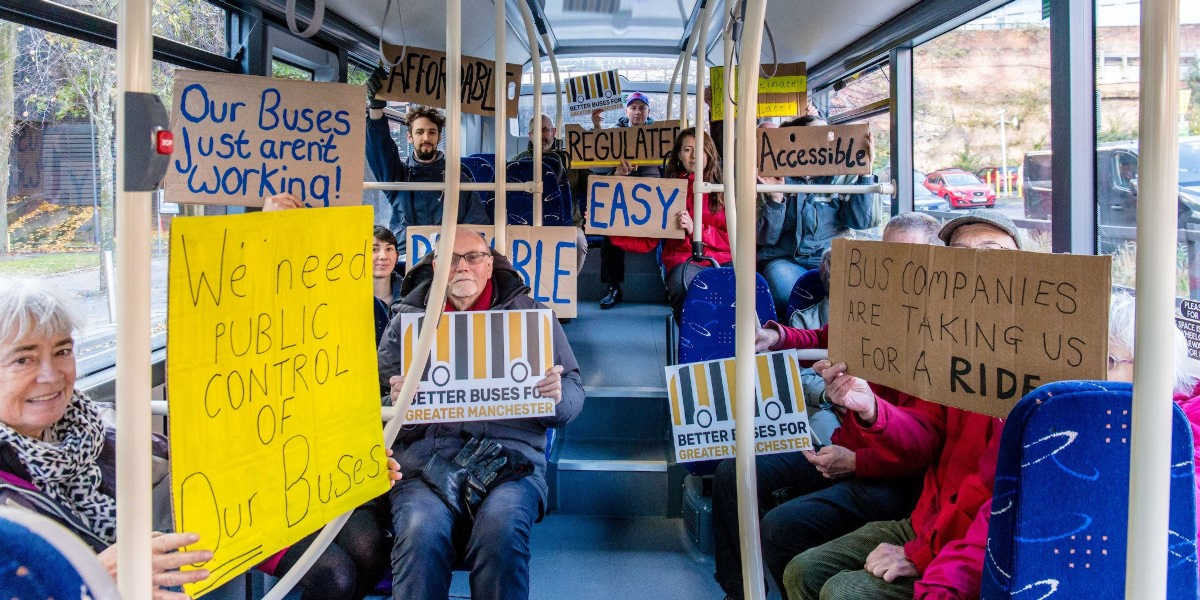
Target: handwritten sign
{"x": 814, "y": 150}
{"x": 974, "y": 329}
{"x": 642, "y": 145}
{"x": 636, "y": 206}
{"x": 421, "y": 77}
{"x": 272, "y": 372}
{"x": 483, "y": 365}
{"x": 586, "y": 93}
{"x": 702, "y": 409}
{"x": 544, "y": 257}
{"x": 240, "y": 138}
{"x": 784, "y": 95}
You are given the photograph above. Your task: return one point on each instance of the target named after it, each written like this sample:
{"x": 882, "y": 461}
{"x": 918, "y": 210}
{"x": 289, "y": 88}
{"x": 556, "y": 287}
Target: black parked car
{"x": 1116, "y": 182}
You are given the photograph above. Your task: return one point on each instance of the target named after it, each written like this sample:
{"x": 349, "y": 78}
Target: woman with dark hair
{"x": 386, "y": 277}
{"x": 678, "y": 262}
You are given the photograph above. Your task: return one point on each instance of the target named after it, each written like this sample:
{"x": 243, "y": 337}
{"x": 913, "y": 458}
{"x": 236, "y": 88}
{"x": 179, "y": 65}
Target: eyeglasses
{"x": 472, "y": 258}
{"x": 1113, "y": 361}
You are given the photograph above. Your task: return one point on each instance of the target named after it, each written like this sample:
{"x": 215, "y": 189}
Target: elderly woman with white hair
{"x": 57, "y": 458}
{"x": 1187, "y": 370}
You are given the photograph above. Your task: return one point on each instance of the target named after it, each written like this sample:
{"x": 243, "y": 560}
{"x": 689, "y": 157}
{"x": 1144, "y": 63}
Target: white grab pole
{"x": 698, "y": 140}
{"x": 727, "y": 143}
{"x": 133, "y": 322}
{"x": 437, "y": 292}
{"x": 534, "y": 55}
{"x": 683, "y": 82}
{"x": 747, "y": 318}
{"x": 558, "y": 91}
{"x": 1153, "y": 369}
{"x": 671, "y": 86}
{"x": 501, "y": 118}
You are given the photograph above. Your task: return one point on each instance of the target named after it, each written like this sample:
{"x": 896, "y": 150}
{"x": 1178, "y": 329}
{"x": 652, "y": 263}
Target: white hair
{"x": 1121, "y": 342}
{"x": 31, "y": 307}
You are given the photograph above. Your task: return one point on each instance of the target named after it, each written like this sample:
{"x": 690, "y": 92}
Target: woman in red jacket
{"x": 677, "y": 259}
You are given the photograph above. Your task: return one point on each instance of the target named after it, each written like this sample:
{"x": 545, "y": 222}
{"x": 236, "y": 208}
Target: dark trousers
{"x": 612, "y": 263}
{"x": 430, "y": 544}
{"x": 819, "y": 510}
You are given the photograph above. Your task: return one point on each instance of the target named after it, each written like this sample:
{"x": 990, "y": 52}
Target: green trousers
{"x": 834, "y": 570}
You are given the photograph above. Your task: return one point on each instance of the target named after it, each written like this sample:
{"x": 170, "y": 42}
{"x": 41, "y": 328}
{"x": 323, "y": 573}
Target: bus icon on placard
{"x": 701, "y": 393}
{"x": 482, "y": 345}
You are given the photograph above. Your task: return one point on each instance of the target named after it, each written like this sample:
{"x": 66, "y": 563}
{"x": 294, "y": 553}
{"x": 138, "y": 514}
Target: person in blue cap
{"x": 612, "y": 258}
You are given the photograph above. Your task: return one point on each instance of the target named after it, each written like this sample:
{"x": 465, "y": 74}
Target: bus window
{"x": 1117, "y": 33}
{"x": 981, "y": 103}
{"x": 59, "y": 182}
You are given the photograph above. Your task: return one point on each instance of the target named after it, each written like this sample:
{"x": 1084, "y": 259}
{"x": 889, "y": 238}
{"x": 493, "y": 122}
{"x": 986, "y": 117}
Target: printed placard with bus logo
{"x": 702, "y": 409}
{"x": 483, "y": 365}
{"x": 586, "y": 93}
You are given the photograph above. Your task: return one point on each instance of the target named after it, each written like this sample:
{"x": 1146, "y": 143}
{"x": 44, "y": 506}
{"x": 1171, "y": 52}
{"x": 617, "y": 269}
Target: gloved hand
{"x": 482, "y": 462}
{"x": 374, "y": 84}
{"x": 463, "y": 483}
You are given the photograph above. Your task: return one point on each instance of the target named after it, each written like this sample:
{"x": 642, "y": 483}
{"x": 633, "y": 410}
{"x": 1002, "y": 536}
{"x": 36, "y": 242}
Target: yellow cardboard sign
{"x": 274, "y": 402}
{"x": 701, "y": 397}
{"x": 784, "y": 95}
{"x": 483, "y": 365}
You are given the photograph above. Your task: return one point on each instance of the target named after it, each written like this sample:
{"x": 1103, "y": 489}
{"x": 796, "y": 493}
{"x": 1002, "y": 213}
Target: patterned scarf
{"x": 66, "y": 470}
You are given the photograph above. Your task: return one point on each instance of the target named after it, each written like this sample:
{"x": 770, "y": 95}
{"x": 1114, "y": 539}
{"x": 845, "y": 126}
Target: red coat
{"x": 676, "y": 252}
{"x": 957, "y": 451}
{"x": 957, "y": 484}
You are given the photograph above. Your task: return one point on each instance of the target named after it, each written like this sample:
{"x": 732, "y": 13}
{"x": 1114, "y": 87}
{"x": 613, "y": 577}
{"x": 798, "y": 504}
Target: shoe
{"x": 611, "y": 298}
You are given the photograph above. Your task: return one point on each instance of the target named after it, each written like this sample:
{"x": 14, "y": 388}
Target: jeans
{"x": 834, "y": 570}
{"x": 612, "y": 263}
{"x": 430, "y": 543}
{"x": 781, "y": 275}
{"x": 819, "y": 510}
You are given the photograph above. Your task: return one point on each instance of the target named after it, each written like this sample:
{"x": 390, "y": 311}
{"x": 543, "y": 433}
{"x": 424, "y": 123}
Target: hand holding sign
{"x": 282, "y": 201}
{"x": 764, "y": 338}
{"x": 685, "y": 223}
{"x": 551, "y": 385}
{"x": 852, "y": 393}
{"x": 165, "y": 562}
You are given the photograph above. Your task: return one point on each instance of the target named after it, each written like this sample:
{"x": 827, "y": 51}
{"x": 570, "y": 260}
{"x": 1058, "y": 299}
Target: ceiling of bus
{"x": 805, "y": 30}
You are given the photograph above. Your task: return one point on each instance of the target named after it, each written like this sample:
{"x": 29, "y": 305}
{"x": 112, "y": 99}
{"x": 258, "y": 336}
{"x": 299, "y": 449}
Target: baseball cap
{"x": 987, "y": 216}
{"x": 637, "y": 96}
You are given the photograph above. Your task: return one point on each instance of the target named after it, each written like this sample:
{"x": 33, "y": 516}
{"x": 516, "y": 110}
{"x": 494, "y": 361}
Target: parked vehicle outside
{"x": 1116, "y": 183}
{"x": 960, "y": 189}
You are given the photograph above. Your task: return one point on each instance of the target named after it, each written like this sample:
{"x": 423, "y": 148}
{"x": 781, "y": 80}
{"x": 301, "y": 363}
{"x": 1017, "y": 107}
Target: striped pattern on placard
{"x": 708, "y": 387}
{"x": 484, "y": 344}
{"x": 594, "y": 85}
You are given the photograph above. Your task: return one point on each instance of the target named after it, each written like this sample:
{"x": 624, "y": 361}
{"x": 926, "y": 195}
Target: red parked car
{"x": 960, "y": 189}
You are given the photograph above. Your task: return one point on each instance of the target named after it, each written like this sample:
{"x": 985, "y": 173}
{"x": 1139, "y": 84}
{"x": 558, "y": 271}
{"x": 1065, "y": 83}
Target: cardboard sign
{"x": 421, "y": 77}
{"x": 814, "y": 150}
{"x": 784, "y": 95}
{"x": 586, "y": 93}
{"x": 702, "y": 409}
{"x": 643, "y": 145}
{"x": 974, "y": 329}
{"x": 636, "y": 206}
{"x": 483, "y": 365}
{"x": 240, "y": 138}
{"x": 273, "y": 374}
{"x": 543, "y": 256}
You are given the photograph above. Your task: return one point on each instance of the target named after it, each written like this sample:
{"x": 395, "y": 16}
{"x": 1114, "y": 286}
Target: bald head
{"x": 547, "y": 129}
